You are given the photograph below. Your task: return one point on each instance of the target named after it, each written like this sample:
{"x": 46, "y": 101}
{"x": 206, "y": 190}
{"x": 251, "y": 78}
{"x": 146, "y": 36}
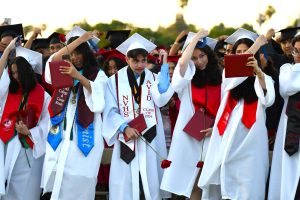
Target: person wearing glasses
{"x": 285, "y": 170}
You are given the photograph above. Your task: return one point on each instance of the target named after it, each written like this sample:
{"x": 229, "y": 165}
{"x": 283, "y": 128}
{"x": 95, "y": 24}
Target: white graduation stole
{"x": 128, "y": 108}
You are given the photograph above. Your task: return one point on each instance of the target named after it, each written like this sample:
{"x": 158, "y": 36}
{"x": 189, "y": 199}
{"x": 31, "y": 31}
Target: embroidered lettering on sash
{"x": 148, "y": 85}
{"x": 125, "y": 107}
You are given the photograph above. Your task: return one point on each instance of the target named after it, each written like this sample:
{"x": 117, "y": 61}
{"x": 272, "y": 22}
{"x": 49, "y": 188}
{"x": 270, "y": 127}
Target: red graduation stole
{"x": 208, "y": 97}
{"x": 248, "y": 118}
{"x": 11, "y": 112}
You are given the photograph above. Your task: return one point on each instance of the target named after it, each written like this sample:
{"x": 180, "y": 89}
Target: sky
{"x": 152, "y": 14}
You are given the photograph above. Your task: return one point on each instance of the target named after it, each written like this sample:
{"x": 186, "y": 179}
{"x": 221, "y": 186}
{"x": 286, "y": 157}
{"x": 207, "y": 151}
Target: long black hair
{"x": 26, "y": 76}
{"x": 89, "y": 59}
{"x": 211, "y": 75}
{"x": 245, "y": 90}
{"x": 119, "y": 64}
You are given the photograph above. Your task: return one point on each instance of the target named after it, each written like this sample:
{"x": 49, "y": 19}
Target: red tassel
{"x": 200, "y": 164}
{"x": 165, "y": 164}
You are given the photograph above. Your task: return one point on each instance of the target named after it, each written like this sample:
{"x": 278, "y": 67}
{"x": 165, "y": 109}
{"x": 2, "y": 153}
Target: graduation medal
{"x": 73, "y": 100}
{"x": 54, "y": 130}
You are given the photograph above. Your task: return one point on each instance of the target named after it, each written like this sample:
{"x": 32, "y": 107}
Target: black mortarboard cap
{"x": 117, "y": 37}
{"x": 288, "y": 33}
{"x": 40, "y": 43}
{"x": 11, "y": 30}
{"x": 54, "y": 38}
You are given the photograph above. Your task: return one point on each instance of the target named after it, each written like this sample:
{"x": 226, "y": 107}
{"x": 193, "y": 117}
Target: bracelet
{"x": 176, "y": 43}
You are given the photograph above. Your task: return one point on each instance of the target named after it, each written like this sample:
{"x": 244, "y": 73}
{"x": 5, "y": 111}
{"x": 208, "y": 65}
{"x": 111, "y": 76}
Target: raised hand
{"x": 252, "y": 62}
{"x": 201, "y": 34}
{"x": 163, "y": 55}
{"x": 70, "y": 70}
{"x": 12, "y": 44}
{"x": 87, "y": 36}
{"x": 270, "y": 34}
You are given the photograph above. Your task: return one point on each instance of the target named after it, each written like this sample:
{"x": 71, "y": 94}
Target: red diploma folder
{"x": 235, "y": 65}
{"x": 137, "y": 123}
{"x": 59, "y": 80}
{"x": 27, "y": 117}
{"x": 199, "y": 121}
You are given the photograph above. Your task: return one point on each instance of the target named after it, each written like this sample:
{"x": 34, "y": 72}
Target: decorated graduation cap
{"x": 113, "y": 54}
{"x": 11, "y": 30}
{"x": 77, "y": 31}
{"x": 240, "y": 34}
{"x": 209, "y": 41}
{"x": 54, "y": 38}
{"x": 288, "y": 33}
{"x": 136, "y": 41}
{"x": 34, "y": 58}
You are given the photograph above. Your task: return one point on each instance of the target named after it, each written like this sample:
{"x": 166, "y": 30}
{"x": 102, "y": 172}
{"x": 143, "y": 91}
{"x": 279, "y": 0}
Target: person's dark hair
{"x": 119, "y": 64}
{"x": 89, "y": 60}
{"x": 249, "y": 43}
{"x": 25, "y": 74}
{"x": 211, "y": 75}
{"x": 295, "y": 39}
{"x": 245, "y": 90}
{"x": 220, "y": 46}
{"x": 8, "y": 33}
{"x": 134, "y": 53}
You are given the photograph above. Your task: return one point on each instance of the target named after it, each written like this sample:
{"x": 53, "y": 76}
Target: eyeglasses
{"x": 296, "y": 52}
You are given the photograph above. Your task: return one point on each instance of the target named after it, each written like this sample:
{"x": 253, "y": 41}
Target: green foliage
{"x": 219, "y": 30}
{"x": 183, "y": 3}
{"x": 248, "y": 27}
{"x": 269, "y": 12}
{"x": 27, "y": 29}
{"x": 162, "y": 36}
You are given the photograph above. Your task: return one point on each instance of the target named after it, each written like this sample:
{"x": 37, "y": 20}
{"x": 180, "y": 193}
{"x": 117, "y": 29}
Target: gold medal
{"x": 54, "y": 130}
{"x": 73, "y": 101}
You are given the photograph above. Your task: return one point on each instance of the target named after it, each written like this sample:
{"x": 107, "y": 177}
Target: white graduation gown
{"x": 67, "y": 172}
{"x": 285, "y": 170}
{"x": 237, "y": 163}
{"x": 185, "y": 152}
{"x": 124, "y": 178}
{"x": 23, "y": 182}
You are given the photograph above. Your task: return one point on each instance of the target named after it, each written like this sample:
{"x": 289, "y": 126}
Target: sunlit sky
{"x": 153, "y": 13}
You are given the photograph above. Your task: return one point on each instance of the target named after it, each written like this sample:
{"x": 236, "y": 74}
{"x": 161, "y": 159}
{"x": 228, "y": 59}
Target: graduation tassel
{"x": 164, "y": 162}
{"x": 201, "y": 162}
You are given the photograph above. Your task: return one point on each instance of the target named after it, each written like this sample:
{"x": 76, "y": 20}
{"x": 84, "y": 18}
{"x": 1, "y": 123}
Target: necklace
{"x": 73, "y": 100}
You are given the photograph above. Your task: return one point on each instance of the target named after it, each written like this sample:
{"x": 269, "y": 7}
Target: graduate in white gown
{"x": 236, "y": 164}
{"x": 197, "y": 81}
{"x": 134, "y": 90}
{"x": 75, "y": 144}
{"x": 285, "y": 170}
{"x": 24, "y": 124}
